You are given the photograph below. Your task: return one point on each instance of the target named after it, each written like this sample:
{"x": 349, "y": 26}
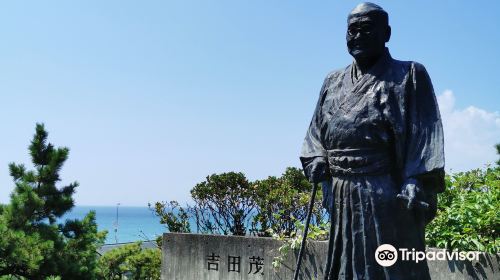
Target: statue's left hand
{"x": 410, "y": 192}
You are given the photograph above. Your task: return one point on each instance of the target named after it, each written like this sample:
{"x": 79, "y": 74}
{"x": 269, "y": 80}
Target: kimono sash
{"x": 358, "y": 161}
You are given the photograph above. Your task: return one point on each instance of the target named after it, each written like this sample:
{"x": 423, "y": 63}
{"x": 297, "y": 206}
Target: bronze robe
{"x": 376, "y": 133}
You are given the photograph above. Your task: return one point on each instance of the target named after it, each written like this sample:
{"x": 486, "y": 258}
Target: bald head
{"x": 367, "y": 32}
{"x": 371, "y": 9}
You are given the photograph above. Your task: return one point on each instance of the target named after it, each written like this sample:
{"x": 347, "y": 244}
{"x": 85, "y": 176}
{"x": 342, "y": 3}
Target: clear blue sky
{"x": 152, "y": 96}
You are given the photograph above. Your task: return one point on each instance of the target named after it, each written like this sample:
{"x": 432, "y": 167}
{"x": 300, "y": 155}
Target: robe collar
{"x": 375, "y": 71}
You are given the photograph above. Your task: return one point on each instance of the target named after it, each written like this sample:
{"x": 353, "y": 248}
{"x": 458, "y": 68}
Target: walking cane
{"x": 306, "y": 228}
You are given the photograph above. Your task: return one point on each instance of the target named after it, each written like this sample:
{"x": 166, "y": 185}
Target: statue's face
{"x": 366, "y": 37}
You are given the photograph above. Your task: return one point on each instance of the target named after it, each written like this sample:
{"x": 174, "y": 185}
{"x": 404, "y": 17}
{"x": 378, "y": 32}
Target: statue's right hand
{"x": 317, "y": 170}
{"x": 411, "y": 194}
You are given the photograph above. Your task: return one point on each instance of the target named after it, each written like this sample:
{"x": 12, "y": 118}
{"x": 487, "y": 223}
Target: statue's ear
{"x": 388, "y": 33}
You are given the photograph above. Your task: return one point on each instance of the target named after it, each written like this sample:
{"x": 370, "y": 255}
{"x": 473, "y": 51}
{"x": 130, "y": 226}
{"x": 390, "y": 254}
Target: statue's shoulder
{"x": 409, "y": 66}
{"x": 331, "y": 78}
{"x": 335, "y": 74}
{"x": 419, "y": 70}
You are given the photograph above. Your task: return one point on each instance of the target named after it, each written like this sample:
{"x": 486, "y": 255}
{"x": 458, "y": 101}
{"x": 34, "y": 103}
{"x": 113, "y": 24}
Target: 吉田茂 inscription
{"x": 255, "y": 264}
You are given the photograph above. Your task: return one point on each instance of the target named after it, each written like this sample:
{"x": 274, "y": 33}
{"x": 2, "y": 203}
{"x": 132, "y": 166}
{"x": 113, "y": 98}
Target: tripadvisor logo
{"x": 387, "y": 255}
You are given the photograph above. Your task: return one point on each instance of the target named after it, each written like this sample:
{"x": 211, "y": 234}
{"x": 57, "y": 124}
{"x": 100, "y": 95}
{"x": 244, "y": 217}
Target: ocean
{"x": 134, "y": 223}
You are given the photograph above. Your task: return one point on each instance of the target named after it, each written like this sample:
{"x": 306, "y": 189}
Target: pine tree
{"x": 33, "y": 244}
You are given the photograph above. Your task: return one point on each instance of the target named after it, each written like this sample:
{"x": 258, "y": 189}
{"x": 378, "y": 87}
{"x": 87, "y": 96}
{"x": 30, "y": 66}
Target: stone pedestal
{"x": 211, "y": 257}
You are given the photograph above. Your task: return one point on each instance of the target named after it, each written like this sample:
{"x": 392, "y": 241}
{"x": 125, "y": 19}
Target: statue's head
{"x": 367, "y": 32}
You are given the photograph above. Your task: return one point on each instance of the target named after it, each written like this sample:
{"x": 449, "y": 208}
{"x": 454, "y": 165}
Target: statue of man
{"x": 375, "y": 143}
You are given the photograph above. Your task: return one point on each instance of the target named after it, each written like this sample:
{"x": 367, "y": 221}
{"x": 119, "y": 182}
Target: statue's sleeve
{"x": 424, "y": 147}
{"x": 313, "y": 148}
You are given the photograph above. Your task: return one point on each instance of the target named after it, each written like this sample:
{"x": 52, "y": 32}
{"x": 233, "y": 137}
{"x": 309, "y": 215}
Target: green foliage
{"x": 130, "y": 262}
{"x": 293, "y": 241}
{"x": 223, "y": 203}
{"x": 10, "y": 277}
{"x": 283, "y": 201}
{"x": 172, "y": 215}
{"x": 467, "y": 217}
{"x": 22, "y": 253}
{"x": 227, "y": 203}
{"x": 32, "y": 244}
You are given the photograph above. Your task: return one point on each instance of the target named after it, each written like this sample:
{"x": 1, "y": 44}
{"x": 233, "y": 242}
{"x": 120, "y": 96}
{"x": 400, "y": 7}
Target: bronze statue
{"x": 376, "y": 143}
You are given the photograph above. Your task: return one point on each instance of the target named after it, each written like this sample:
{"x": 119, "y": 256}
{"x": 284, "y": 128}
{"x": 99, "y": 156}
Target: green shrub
{"x": 223, "y": 204}
{"x": 283, "y": 201}
{"x": 294, "y": 240}
{"x": 173, "y": 216}
{"x": 228, "y": 203}
{"x": 468, "y": 212}
{"x": 130, "y": 262}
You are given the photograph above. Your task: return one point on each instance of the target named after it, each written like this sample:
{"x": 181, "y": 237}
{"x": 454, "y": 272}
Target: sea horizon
{"x": 132, "y": 223}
